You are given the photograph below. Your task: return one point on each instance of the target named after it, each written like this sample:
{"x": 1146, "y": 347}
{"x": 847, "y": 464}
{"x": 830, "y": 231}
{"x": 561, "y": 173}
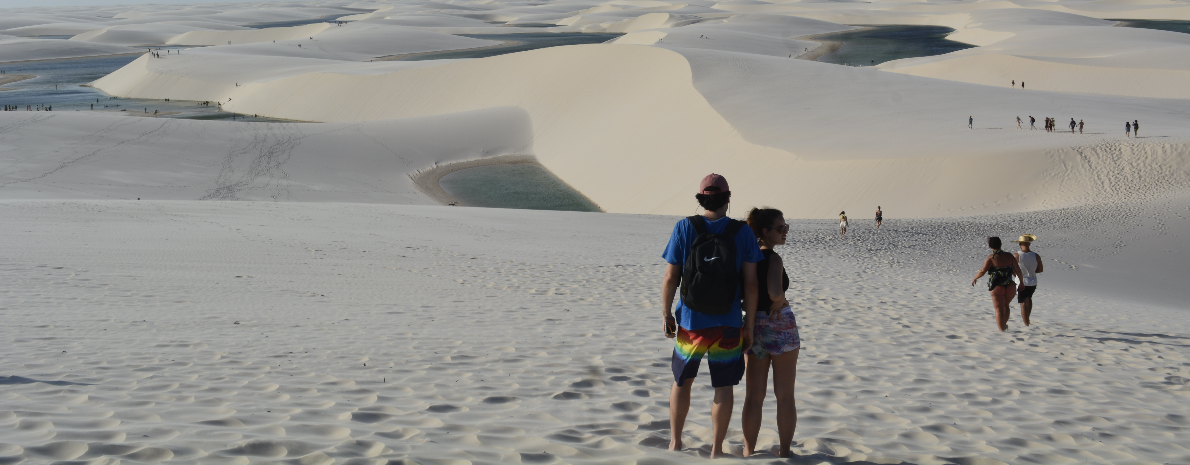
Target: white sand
{"x": 287, "y": 292}
{"x": 449, "y": 333}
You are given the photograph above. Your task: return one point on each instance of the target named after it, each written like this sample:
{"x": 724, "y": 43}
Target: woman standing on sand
{"x": 842, "y": 224}
{"x": 880, "y": 214}
{"x": 776, "y": 341}
{"x": 1000, "y": 267}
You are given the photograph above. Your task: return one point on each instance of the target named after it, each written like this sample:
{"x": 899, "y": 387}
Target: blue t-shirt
{"x": 675, "y": 254}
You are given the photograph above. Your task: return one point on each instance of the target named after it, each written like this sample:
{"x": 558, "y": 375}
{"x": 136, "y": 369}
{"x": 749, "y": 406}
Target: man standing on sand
{"x": 1032, "y": 123}
{"x": 1136, "y": 128}
{"x": 708, "y": 255}
{"x": 970, "y": 122}
{"x": 1072, "y": 125}
{"x": 1030, "y": 263}
{"x": 1080, "y": 126}
{"x": 1127, "y": 129}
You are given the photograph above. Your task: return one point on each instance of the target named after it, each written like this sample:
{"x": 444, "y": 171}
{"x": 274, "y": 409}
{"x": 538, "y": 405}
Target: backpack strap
{"x": 733, "y": 227}
{"x": 699, "y": 223}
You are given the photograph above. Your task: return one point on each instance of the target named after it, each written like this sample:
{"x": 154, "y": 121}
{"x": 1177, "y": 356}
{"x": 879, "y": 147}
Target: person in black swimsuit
{"x": 775, "y": 342}
{"x": 879, "y": 217}
{"x": 1000, "y": 266}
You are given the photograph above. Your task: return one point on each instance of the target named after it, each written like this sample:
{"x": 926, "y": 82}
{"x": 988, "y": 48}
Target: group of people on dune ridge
{"x": 732, "y": 311}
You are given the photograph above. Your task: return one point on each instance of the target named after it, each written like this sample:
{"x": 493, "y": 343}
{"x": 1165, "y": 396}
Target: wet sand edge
{"x": 11, "y": 78}
{"x": 827, "y": 47}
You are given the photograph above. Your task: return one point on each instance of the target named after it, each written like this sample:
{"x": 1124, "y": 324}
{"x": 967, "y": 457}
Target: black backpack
{"x": 710, "y": 278}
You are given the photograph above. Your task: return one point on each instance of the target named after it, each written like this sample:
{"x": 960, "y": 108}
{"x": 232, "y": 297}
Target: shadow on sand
{"x": 6, "y": 380}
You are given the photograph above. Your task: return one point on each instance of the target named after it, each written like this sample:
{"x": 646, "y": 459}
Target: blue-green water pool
{"x": 522, "y": 186}
{"x": 1162, "y": 25}
{"x": 877, "y": 44}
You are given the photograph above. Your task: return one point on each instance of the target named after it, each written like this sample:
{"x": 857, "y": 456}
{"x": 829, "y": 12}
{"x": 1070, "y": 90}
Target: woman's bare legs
{"x": 1000, "y": 303}
{"x": 756, "y": 388}
{"x": 784, "y": 378}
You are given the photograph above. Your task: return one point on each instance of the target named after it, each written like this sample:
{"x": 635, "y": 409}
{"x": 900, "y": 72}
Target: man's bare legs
{"x": 756, "y": 388}
{"x": 721, "y": 417}
{"x": 679, "y": 406}
{"x": 1026, "y": 310}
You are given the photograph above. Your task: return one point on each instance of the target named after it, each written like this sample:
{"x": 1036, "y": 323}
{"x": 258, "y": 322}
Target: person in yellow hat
{"x": 1030, "y": 263}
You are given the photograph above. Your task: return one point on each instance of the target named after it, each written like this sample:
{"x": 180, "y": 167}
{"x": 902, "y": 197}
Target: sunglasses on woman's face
{"x": 781, "y": 229}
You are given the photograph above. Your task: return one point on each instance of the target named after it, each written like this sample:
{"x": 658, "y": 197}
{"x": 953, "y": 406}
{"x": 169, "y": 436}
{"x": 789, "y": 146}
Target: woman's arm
{"x": 1016, "y": 270}
{"x": 750, "y": 298}
{"x": 1040, "y": 267}
{"x": 987, "y": 265}
{"x": 776, "y": 288}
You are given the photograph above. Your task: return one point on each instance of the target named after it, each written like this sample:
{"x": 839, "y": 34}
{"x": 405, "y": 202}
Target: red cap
{"x": 713, "y": 184}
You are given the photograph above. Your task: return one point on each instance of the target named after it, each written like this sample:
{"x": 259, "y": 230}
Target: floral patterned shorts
{"x": 775, "y": 334}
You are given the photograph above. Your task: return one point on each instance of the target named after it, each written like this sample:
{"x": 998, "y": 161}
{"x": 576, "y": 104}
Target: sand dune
{"x": 118, "y": 157}
{"x": 247, "y": 36}
{"x": 655, "y": 87}
{"x": 353, "y": 42}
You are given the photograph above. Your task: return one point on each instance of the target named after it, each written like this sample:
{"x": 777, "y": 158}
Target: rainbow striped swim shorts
{"x": 722, "y": 348}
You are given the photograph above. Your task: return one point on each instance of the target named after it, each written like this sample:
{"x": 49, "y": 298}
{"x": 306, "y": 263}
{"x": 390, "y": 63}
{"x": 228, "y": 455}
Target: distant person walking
{"x": 1080, "y": 126}
{"x": 879, "y": 217}
{"x": 1072, "y": 125}
{"x": 1022, "y": 84}
{"x": 1127, "y": 129}
{"x": 842, "y": 224}
{"x": 713, "y": 258}
{"x": 970, "y": 122}
{"x": 1018, "y": 122}
{"x": 1014, "y": 83}
{"x": 1000, "y": 267}
{"x": 776, "y": 341}
{"x": 1030, "y": 264}
{"x": 1032, "y": 123}
{"x": 1136, "y": 128}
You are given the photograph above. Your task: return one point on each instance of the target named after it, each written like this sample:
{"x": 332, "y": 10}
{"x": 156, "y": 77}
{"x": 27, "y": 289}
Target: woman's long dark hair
{"x": 763, "y": 218}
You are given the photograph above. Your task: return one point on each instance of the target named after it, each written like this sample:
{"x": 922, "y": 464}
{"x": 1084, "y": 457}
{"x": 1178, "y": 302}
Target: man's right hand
{"x": 670, "y": 324}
